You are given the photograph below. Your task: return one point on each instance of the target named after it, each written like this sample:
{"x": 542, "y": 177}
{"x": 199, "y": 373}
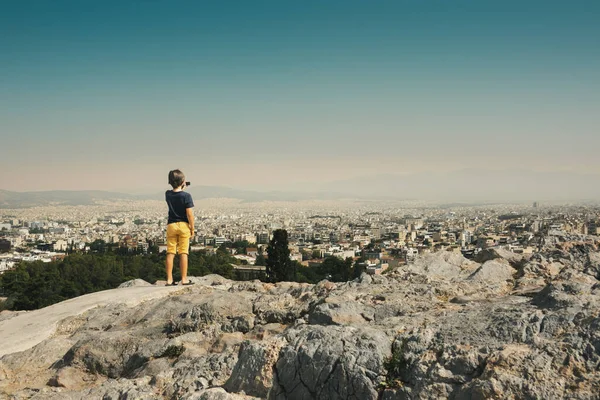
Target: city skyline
{"x": 273, "y": 96}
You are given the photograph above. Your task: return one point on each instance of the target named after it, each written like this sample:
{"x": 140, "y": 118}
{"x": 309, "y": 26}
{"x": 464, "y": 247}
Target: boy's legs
{"x": 169, "y": 267}
{"x": 183, "y": 246}
{"x": 171, "y": 249}
{"x": 183, "y": 266}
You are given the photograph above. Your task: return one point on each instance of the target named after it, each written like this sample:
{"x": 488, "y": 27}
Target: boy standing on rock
{"x": 180, "y": 225}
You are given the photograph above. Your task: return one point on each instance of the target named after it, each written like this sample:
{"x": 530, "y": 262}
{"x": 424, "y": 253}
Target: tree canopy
{"x": 279, "y": 265}
{"x": 33, "y": 285}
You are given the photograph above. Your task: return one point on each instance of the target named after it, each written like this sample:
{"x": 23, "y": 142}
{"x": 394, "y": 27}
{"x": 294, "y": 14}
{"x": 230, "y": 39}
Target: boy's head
{"x": 176, "y": 178}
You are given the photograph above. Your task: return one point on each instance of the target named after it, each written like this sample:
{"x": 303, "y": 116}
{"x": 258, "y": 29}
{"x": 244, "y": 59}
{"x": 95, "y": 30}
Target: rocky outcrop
{"x": 339, "y": 362}
{"x": 445, "y": 327}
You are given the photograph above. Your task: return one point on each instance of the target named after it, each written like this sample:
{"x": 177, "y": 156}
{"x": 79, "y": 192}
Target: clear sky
{"x": 281, "y": 94}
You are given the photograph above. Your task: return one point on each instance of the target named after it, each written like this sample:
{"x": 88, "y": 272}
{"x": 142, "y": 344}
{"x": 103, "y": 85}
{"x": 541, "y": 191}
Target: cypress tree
{"x": 279, "y": 266}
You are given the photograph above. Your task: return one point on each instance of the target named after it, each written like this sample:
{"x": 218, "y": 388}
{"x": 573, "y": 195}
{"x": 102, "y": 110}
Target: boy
{"x": 180, "y": 226}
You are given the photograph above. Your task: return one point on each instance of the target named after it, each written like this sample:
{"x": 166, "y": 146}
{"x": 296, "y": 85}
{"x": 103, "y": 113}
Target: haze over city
{"x": 445, "y": 100}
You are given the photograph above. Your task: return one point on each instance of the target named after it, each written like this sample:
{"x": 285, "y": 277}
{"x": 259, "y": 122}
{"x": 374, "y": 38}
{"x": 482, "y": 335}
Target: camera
{"x": 188, "y": 183}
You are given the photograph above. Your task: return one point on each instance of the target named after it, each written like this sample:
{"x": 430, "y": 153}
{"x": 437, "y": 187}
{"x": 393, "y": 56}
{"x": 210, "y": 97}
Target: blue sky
{"x": 282, "y": 94}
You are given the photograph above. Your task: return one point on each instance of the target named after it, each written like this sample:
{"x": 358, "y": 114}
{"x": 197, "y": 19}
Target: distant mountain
{"x": 10, "y": 199}
{"x": 251, "y": 196}
{"x": 205, "y": 192}
{"x": 474, "y": 185}
{"x": 467, "y": 186}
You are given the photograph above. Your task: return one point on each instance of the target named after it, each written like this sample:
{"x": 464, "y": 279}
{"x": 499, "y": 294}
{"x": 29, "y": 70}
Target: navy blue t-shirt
{"x": 178, "y": 202}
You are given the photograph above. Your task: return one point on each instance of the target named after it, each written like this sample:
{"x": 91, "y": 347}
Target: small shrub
{"x": 396, "y": 366}
{"x": 173, "y": 351}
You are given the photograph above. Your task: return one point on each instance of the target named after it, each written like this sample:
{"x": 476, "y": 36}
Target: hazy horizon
{"x": 308, "y": 96}
{"x": 464, "y": 186}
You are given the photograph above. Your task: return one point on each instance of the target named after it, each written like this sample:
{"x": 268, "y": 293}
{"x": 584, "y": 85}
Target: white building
{"x": 60, "y": 245}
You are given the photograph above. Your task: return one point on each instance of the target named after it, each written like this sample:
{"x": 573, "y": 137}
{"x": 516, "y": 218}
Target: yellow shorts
{"x": 178, "y": 238}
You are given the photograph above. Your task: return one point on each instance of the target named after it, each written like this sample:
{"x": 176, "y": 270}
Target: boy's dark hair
{"x": 176, "y": 178}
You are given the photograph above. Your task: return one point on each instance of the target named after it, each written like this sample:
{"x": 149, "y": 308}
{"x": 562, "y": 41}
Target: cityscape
{"x": 382, "y": 235}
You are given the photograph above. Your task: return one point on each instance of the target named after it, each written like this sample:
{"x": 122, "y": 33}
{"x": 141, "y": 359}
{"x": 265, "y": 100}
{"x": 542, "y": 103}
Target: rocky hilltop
{"x": 505, "y": 327}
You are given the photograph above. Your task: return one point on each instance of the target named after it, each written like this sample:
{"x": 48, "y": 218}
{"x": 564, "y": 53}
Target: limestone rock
{"x": 508, "y": 326}
{"x": 341, "y": 313}
{"x": 443, "y": 264}
{"x": 216, "y": 394}
{"x": 493, "y": 271}
{"x": 133, "y": 283}
{"x": 330, "y": 362}
{"x": 253, "y": 373}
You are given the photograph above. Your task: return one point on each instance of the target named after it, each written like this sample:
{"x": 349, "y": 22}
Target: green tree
{"x": 337, "y": 270}
{"x": 261, "y": 261}
{"x": 359, "y": 268}
{"x": 98, "y": 246}
{"x": 240, "y": 246}
{"x": 224, "y": 249}
{"x": 306, "y": 255}
{"x": 279, "y": 266}
{"x": 307, "y": 274}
